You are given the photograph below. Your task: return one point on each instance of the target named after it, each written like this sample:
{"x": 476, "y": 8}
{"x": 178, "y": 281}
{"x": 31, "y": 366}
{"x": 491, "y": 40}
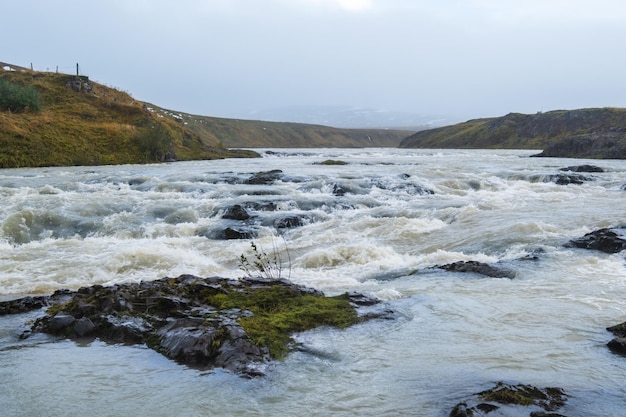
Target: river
{"x": 378, "y": 224}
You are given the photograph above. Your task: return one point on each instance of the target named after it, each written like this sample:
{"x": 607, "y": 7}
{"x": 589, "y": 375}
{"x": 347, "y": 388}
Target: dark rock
{"x": 599, "y": 145}
{"x": 23, "y": 305}
{"x": 60, "y": 322}
{"x": 371, "y": 308}
{"x": 583, "y": 168}
{"x": 84, "y": 327}
{"x": 289, "y": 222}
{"x": 518, "y": 400}
{"x": 608, "y": 240}
{"x": 196, "y": 321}
{"x": 565, "y": 179}
{"x": 264, "y": 178}
{"x": 231, "y": 233}
{"x": 338, "y": 190}
{"x": 618, "y": 344}
{"x": 478, "y": 268}
{"x": 236, "y": 212}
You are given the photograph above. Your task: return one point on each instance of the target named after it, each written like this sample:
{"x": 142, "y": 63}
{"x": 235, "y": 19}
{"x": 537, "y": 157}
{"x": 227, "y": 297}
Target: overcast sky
{"x": 457, "y": 58}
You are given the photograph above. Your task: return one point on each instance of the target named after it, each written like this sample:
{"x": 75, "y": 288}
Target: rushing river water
{"x": 376, "y": 225}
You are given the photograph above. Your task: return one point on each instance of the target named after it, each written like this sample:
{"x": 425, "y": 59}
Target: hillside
{"x": 585, "y": 133}
{"x": 75, "y": 121}
{"x": 80, "y": 122}
{"x": 233, "y": 133}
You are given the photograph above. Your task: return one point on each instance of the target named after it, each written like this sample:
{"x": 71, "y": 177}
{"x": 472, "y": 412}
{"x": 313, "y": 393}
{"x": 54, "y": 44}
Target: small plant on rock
{"x": 259, "y": 263}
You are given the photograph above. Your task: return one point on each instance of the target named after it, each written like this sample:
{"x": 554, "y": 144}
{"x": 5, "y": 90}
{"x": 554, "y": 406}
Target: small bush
{"x": 16, "y": 98}
{"x": 262, "y": 264}
{"x": 156, "y": 144}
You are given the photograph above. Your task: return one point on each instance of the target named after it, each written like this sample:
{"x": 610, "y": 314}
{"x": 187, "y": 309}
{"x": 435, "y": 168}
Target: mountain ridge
{"x": 583, "y": 133}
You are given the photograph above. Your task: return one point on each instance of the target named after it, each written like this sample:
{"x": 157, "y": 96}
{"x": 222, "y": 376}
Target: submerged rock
{"x": 608, "y": 240}
{"x": 478, "y": 268}
{"x": 513, "y": 400}
{"x": 238, "y": 325}
{"x": 618, "y": 344}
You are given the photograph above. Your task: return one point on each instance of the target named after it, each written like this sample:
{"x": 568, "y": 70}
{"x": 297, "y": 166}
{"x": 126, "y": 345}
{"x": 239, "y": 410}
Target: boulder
{"x": 565, "y": 179}
{"x": 478, "y": 268}
{"x": 265, "y": 177}
{"x": 608, "y": 240}
{"x": 236, "y": 212}
{"x": 583, "y": 168}
{"x": 618, "y": 344}
{"x": 514, "y": 400}
{"x": 238, "y": 325}
{"x": 290, "y": 222}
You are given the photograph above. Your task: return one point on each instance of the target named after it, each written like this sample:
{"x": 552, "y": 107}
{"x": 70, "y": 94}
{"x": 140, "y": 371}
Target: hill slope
{"x": 585, "y": 133}
{"x": 80, "y": 122}
{"x": 85, "y": 123}
{"x": 233, "y": 133}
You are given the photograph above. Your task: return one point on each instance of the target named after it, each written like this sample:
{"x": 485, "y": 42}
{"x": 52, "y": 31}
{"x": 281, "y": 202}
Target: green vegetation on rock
{"x": 332, "y": 162}
{"x": 278, "y": 312}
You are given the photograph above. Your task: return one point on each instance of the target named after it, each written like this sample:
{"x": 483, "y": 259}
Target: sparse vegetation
{"x": 262, "y": 264}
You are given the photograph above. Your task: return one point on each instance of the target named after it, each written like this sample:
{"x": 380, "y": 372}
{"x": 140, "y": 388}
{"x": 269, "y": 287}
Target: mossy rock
{"x": 239, "y": 325}
{"x": 538, "y": 402}
{"x": 332, "y": 162}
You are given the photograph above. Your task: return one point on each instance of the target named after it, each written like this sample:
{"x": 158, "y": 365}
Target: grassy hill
{"x": 79, "y": 122}
{"x": 84, "y": 123}
{"x": 259, "y": 134}
{"x": 589, "y": 133}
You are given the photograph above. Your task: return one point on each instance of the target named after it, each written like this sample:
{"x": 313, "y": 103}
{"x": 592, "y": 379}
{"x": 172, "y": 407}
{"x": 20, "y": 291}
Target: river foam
{"x": 380, "y": 224}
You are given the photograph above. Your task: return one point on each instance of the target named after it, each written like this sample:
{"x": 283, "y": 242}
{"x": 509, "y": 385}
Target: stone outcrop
{"x": 582, "y": 133}
{"x": 239, "y": 325}
{"x": 514, "y": 400}
{"x": 608, "y": 240}
{"x": 478, "y": 268}
{"x": 618, "y": 344}
{"x": 583, "y": 168}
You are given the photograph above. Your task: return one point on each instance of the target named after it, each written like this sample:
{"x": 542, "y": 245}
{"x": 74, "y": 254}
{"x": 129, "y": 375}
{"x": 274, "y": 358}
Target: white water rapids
{"x": 376, "y": 225}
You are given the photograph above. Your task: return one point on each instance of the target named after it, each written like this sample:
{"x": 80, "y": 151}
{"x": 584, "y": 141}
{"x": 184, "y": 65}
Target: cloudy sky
{"x": 456, "y": 58}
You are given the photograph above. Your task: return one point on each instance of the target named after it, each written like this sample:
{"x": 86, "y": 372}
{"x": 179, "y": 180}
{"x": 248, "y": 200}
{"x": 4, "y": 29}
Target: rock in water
{"x": 478, "y": 268}
{"x": 239, "y": 325}
{"x": 608, "y": 240}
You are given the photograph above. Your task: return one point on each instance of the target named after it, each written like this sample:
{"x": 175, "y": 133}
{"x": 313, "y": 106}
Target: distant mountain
{"x": 584, "y": 133}
{"x": 349, "y": 117}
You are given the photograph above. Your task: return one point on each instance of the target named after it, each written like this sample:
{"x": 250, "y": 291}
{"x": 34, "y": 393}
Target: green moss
{"x": 332, "y": 162}
{"x": 519, "y": 395}
{"x": 278, "y": 312}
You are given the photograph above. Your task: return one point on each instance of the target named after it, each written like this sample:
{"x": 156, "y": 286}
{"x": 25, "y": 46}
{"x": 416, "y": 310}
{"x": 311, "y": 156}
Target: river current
{"x": 378, "y": 224}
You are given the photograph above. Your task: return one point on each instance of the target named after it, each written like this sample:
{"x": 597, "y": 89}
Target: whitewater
{"x": 380, "y": 224}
